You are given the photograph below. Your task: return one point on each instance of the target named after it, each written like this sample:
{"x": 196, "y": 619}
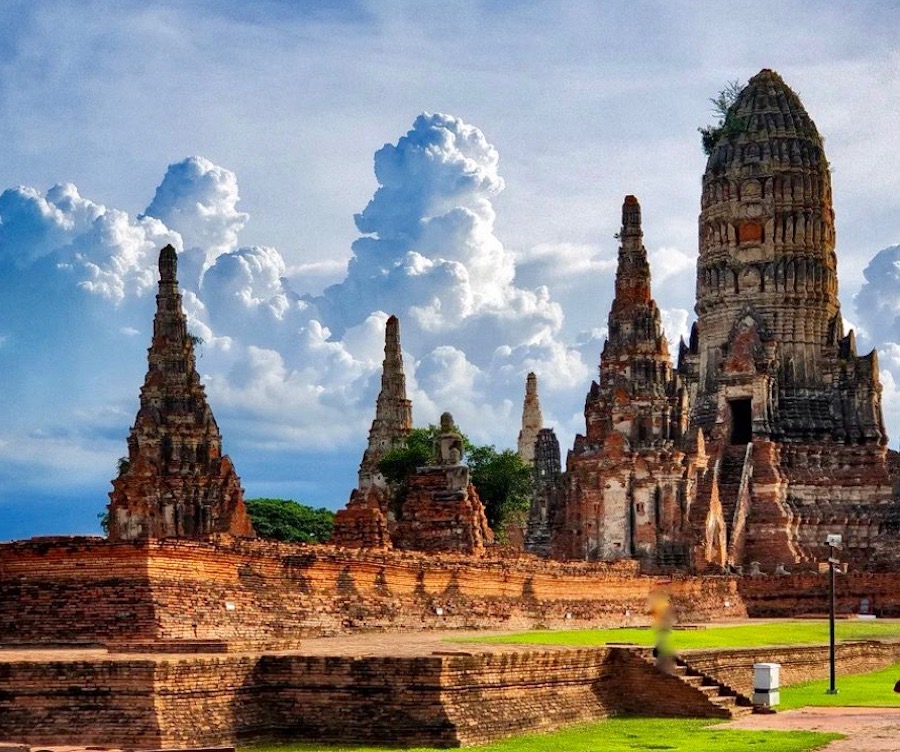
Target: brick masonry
{"x": 431, "y": 700}
{"x": 443, "y": 700}
{"x": 88, "y": 590}
{"x": 799, "y": 663}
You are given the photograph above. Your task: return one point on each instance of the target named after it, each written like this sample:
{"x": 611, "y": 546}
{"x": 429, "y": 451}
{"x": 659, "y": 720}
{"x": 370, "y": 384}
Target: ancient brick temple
{"x": 393, "y": 411}
{"x": 629, "y": 477}
{"x": 176, "y": 481}
{"x": 776, "y": 385}
{"x": 363, "y": 523}
{"x": 437, "y": 509}
{"x": 547, "y": 494}
{"x": 532, "y": 420}
{"x": 769, "y": 434}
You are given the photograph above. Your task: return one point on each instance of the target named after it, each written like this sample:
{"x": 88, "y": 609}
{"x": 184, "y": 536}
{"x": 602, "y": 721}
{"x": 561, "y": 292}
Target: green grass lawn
{"x": 798, "y": 632}
{"x": 860, "y": 690}
{"x": 623, "y": 735}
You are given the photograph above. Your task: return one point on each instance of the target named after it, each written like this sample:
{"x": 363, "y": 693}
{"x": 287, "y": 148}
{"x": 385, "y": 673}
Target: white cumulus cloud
{"x": 198, "y": 200}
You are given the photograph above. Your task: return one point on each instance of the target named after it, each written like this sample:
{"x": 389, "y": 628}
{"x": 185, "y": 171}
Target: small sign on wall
{"x": 229, "y": 606}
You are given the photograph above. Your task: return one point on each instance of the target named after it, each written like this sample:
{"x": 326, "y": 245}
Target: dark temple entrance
{"x": 741, "y": 421}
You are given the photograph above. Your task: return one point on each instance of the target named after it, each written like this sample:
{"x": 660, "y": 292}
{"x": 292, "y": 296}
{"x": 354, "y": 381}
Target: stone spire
{"x": 532, "y": 420}
{"x": 393, "y": 411}
{"x": 767, "y": 307}
{"x": 176, "y": 482}
{"x": 635, "y": 368}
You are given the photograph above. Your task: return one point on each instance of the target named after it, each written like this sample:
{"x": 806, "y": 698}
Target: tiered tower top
{"x": 393, "y": 411}
{"x": 176, "y": 482}
{"x": 635, "y": 369}
{"x": 767, "y": 228}
{"x": 532, "y": 420}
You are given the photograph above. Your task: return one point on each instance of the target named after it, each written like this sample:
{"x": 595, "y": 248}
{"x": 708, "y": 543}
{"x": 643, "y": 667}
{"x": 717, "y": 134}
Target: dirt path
{"x": 867, "y": 729}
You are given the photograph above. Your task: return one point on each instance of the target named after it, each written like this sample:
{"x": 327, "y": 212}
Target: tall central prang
{"x": 773, "y": 358}
{"x": 769, "y": 435}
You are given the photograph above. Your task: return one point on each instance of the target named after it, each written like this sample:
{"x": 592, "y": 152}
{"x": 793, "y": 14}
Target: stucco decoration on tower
{"x": 792, "y": 411}
{"x": 769, "y": 434}
{"x": 532, "y": 420}
{"x": 176, "y": 482}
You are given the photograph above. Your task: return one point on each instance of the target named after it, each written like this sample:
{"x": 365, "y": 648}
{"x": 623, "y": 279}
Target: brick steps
{"x": 726, "y": 698}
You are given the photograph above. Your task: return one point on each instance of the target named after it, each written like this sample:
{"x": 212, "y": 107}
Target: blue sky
{"x": 246, "y": 133}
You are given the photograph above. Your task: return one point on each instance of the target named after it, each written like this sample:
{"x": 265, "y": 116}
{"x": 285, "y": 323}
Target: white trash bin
{"x": 766, "y": 683}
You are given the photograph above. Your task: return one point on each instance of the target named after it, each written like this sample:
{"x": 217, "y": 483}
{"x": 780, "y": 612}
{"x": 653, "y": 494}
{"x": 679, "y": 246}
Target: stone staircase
{"x": 730, "y": 471}
{"x": 718, "y": 693}
{"x": 728, "y": 701}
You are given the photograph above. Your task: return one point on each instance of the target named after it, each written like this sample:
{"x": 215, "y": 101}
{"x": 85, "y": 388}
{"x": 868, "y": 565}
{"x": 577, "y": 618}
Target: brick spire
{"x": 176, "y": 482}
{"x": 634, "y": 367}
{"x": 532, "y": 420}
{"x": 393, "y": 411}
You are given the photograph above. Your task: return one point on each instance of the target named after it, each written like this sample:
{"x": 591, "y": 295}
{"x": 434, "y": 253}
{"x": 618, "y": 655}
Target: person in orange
{"x": 663, "y": 619}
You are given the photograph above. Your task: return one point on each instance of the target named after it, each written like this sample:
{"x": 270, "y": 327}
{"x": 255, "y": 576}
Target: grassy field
{"x": 623, "y": 735}
{"x": 860, "y": 690}
{"x": 798, "y": 632}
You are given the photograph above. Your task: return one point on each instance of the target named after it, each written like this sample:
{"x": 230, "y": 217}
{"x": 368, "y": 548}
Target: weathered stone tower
{"x": 792, "y": 414}
{"x": 768, "y": 318}
{"x": 545, "y": 503}
{"x": 176, "y": 482}
{"x": 628, "y": 478}
{"x": 393, "y": 411}
{"x": 532, "y": 420}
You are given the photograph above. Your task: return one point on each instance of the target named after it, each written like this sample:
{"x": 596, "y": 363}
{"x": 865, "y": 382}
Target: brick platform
{"x": 92, "y": 591}
{"x": 456, "y": 695}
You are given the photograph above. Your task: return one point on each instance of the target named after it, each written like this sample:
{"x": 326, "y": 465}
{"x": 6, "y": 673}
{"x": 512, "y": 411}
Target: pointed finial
{"x": 168, "y": 264}
{"x": 631, "y": 218}
{"x": 392, "y": 337}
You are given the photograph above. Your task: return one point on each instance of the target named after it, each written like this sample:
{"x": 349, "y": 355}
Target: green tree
{"x": 729, "y": 123}
{"x": 398, "y": 464}
{"x": 504, "y": 482}
{"x": 288, "y": 521}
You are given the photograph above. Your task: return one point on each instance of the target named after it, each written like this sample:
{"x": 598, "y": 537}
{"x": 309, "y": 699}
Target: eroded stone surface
{"x": 532, "y": 420}
{"x": 629, "y": 477}
{"x": 393, "y": 411}
{"x": 769, "y": 434}
{"x": 177, "y": 482}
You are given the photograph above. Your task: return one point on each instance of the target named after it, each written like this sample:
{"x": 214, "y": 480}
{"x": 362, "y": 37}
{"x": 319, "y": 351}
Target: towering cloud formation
{"x": 198, "y": 200}
{"x": 878, "y": 315}
{"x": 287, "y": 371}
{"x": 429, "y": 244}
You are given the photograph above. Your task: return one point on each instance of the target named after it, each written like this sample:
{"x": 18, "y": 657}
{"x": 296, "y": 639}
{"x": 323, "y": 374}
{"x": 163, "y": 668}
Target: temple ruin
{"x": 393, "y": 411}
{"x": 628, "y": 478}
{"x": 532, "y": 420}
{"x": 769, "y": 433}
{"x": 182, "y": 629}
{"x": 436, "y": 508}
{"x": 175, "y": 482}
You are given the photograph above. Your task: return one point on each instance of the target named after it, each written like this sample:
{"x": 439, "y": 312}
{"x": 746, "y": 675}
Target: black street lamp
{"x": 834, "y": 543}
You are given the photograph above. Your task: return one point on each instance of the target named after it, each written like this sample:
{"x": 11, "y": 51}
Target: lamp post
{"x": 834, "y": 543}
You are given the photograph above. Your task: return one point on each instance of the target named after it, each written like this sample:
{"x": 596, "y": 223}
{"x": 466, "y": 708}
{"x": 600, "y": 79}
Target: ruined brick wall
{"x": 74, "y": 590}
{"x": 90, "y": 590}
{"x": 97, "y": 702}
{"x": 432, "y": 700}
{"x": 279, "y": 592}
{"x": 808, "y": 593}
{"x": 799, "y": 663}
{"x": 636, "y": 687}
